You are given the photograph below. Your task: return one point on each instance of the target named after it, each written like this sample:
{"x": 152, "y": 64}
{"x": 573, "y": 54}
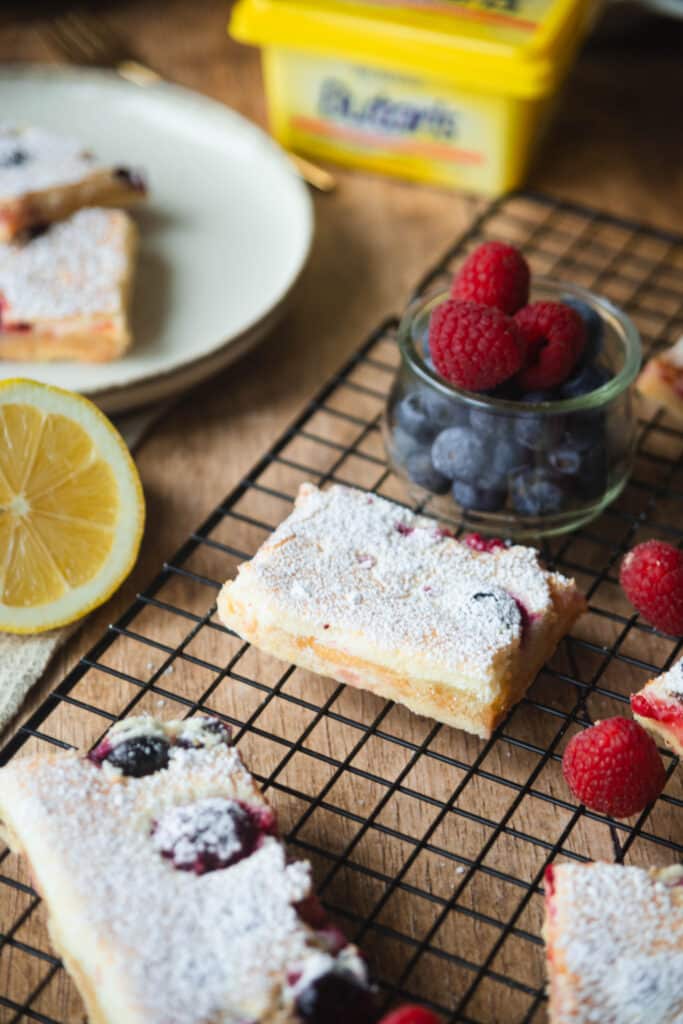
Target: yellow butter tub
{"x": 450, "y": 92}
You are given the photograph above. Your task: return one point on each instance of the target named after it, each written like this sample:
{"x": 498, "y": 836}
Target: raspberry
{"x": 495, "y": 274}
{"x": 410, "y": 1015}
{"x": 614, "y": 767}
{"x": 652, "y": 578}
{"x": 476, "y": 542}
{"x": 554, "y": 337}
{"x": 474, "y": 346}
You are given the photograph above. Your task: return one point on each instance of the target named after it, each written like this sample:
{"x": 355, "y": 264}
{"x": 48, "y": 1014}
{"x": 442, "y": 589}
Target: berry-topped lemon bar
{"x": 662, "y": 379}
{"x": 659, "y": 707}
{"x": 614, "y": 944}
{"x": 360, "y": 589}
{"x": 44, "y": 177}
{"x": 64, "y": 294}
{"x": 170, "y": 897}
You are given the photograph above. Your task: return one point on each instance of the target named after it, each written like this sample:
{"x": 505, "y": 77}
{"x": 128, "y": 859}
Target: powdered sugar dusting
{"x": 674, "y": 355}
{"x": 76, "y": 268}
{"x": 374, "y": 570}
{"x": 668, "y": 684}
{"x": 212, "y": 827}
{"x": 32, "y": 160}
{"x": 186, "y": 949}
{"x": 618, "y": 932}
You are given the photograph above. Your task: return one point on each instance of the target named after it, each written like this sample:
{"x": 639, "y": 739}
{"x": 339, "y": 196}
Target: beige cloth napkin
{"x": 24, "y": 659}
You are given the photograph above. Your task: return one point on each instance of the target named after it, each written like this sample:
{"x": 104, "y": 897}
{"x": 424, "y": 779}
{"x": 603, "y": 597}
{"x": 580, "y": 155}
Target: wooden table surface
{"x": 616, "y": 145}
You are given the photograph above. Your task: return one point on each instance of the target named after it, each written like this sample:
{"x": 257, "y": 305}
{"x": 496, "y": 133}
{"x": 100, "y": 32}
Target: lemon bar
{"x": 662, "y": 379}
{"x": 170, "y": 898}
{"x": 64, "y": 294}
{"x": 659, "y": 707}
{"x": 614, "y": 944}
{"x": 45, "y": 177}
{"x": 358, "y": 588}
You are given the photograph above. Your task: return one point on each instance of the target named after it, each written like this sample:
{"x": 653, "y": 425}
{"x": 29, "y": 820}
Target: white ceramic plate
{"x": 224, "y": 234}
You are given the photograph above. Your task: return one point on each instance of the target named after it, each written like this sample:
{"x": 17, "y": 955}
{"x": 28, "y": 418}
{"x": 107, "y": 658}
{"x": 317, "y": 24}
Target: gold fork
{"x": 88, "y": 41}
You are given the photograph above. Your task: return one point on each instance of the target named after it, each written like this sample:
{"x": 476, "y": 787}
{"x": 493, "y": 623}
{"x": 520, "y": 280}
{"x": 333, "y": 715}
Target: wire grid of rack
{"x": 428, "y": 845}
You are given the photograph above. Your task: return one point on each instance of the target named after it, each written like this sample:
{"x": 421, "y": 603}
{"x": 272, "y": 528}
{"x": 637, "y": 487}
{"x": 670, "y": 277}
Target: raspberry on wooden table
{"x": 652, "y": 578}
{"x": 554, "y": 336}
{"x": 494, "y": 274}
{"x": 614, "y": 767}
{"x": 410, "y": 1015}
{"x": 473, "y": 346}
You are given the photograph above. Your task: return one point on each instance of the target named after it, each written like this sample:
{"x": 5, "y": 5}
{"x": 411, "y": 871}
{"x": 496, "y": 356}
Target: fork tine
{"x": 100, "y": 35}
{"x": 66, "y": 42}
{"x": 92, "y": 41}
{"x": 86, "y": 40}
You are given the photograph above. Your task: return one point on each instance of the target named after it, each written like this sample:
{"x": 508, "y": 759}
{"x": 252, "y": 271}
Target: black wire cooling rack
{"x": 428, "y": 845}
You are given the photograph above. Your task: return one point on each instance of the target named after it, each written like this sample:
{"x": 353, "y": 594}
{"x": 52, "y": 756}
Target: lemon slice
{"x": 72, "y": 510}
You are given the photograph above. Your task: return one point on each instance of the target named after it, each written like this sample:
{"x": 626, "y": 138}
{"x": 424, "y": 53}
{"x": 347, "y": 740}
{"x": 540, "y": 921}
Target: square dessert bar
{"x": 662, "y": 379}
{"x": 659, "y": 707}
{"x": 357, "y": 588}
{"x": 45, "y": 177}
{"x": 64, "y": 294}
{"x": 170, "y": 898}
{"x": 614, "y": 944}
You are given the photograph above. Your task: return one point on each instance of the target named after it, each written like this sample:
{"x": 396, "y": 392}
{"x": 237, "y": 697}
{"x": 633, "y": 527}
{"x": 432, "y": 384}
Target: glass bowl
{"x": 541, "y": 468}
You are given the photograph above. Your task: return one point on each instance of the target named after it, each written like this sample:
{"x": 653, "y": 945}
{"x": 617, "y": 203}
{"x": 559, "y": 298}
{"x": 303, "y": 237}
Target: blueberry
{"x": 336, "y": 998}
{"x": 586, "y": 379}
{"x": 422, "y": 414}
{"x": 488, "y": 424}
{"x": 206, "y": 835}
{"x": 506, "y": 456}
{"x": 404, "y": 445}
{"x": 587, "y": 464}
{"x": 535, "y": 492}
{"x": 535, "y": 397}
{"x": 458, "y": 452}
{"x": 593, "y": 476}
{"x": 594, "y": 328}
{"x": 565, "y": 460}
{"x": 421, "y": 340}
{"x": 141, "y": 755}
{"x": 539, "y": 433}
{"x": 478, "y": 499}
{"x": 35, "y": 230}
{"x": 422, "y": 472}
{"x": 501, "y": 606}
{"x": 133, "y": 179}
{"x": 203, "y": 732}
{"x": 15, "y": 158}
{"x": 585, "y": 429}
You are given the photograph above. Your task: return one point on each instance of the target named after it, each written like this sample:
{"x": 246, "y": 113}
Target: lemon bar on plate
{"x": 358, "y": 588}
{"x": 45, "y": 177}
{"x": 659, "y": 707}
{"x": 614, "y": 944}
{"x": 662, "y": 379}
{"x": 64, "y": 294}
{"x": 170, "y": 898}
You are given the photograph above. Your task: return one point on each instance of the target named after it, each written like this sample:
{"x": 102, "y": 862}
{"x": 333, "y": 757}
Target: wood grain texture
{"x": 616, "y": 145}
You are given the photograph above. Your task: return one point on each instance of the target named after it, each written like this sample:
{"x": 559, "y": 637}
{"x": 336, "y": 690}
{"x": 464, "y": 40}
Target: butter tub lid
{"x": 521, "y": 47}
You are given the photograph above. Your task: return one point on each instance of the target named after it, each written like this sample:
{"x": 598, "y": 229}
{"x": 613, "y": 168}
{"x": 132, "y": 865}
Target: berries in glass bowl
{"x": 519, "y": 421}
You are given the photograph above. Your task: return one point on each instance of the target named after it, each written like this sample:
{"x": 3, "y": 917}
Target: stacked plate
{"x": 224, "y": 235}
